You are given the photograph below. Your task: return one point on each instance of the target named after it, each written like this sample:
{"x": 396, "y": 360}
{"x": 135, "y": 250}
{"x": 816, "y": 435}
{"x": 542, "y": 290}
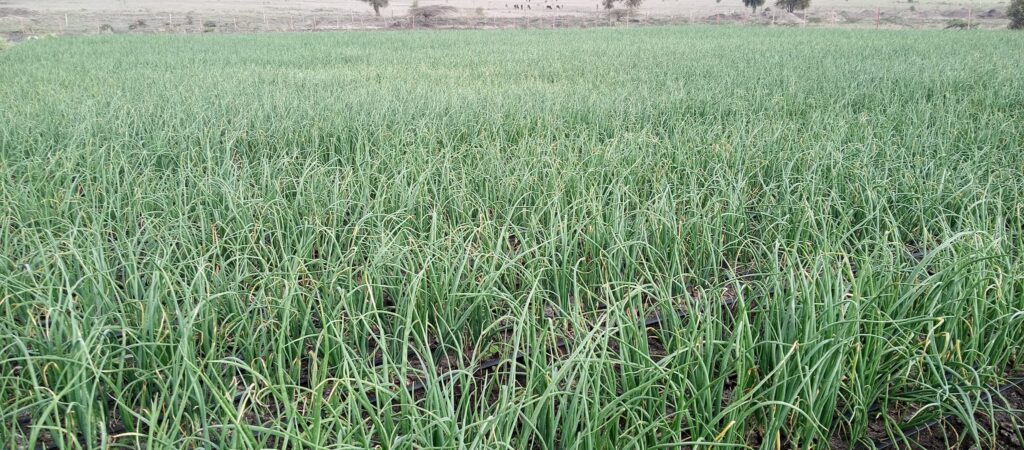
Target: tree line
{"x": 1015, "y": 10}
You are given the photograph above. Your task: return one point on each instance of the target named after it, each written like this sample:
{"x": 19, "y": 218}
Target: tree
{"x": 793, "y": 5}
{"x": 377, "y": 5}
{"x": 631, "y": 4}
{"x": 753, "y": 4}
{"x": 1016, "y": 14}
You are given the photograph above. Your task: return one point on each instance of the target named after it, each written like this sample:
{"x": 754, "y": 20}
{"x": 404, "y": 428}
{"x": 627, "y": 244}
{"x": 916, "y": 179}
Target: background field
{"x": 256, "y": 240}
{"x": 23, "y": 18}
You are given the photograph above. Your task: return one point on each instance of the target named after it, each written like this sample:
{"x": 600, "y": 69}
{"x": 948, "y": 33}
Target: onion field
{"x": 622, "y": 238}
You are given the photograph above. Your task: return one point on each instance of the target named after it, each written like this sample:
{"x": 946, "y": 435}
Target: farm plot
{"x": 613, "y": 238}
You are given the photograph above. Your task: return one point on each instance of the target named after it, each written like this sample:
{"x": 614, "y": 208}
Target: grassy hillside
{"x": 258, "y": 240}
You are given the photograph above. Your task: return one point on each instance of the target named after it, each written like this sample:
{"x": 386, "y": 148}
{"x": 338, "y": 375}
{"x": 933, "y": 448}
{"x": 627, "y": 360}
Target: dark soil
{"x": 1002, "y": 430}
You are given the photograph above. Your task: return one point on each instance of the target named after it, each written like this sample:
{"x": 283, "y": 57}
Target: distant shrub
{"x": 209, "y": 26}
{"x": 1016, "y": 14}
{"x": 428, "y": 12}
{"x": 106, "y": 28}
{"x": 753, "y": 4}
{"x": 378, "y": 4}
{"x": 793, "y": 5}
{"x": 958, "y": 24}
